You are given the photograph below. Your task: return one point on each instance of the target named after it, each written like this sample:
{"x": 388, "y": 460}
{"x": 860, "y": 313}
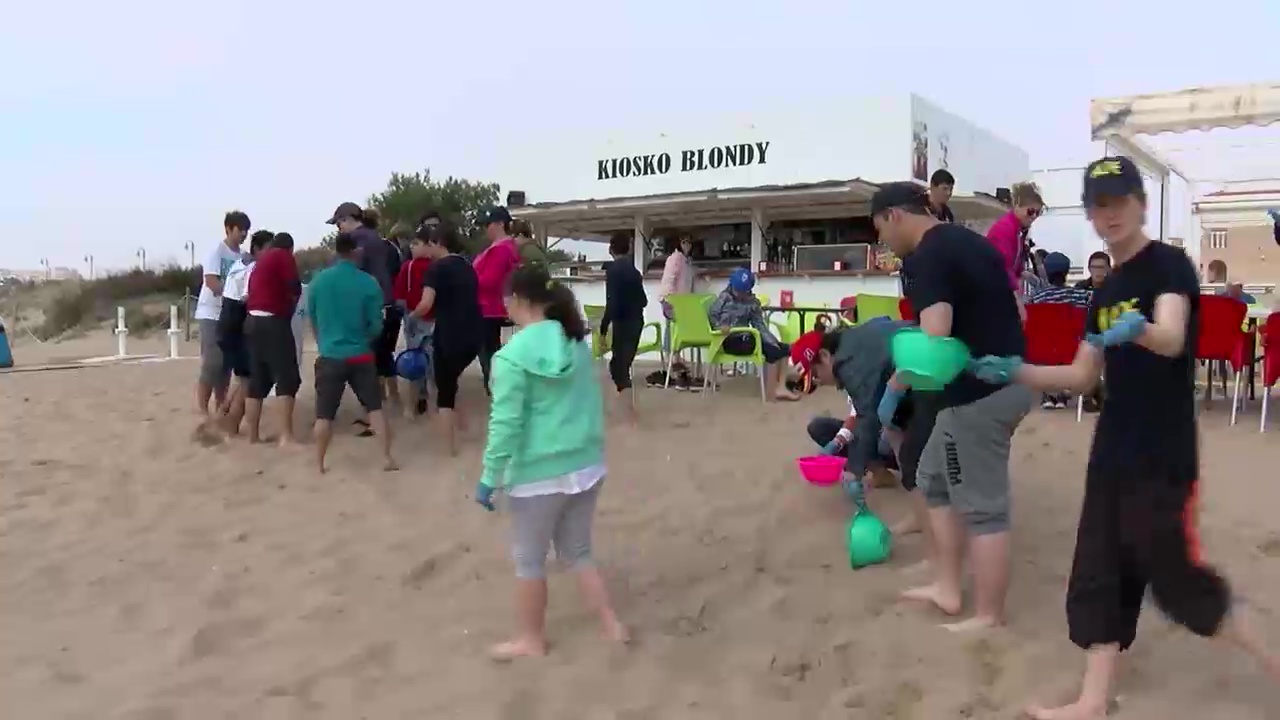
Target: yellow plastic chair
{"x": 874, "y": 306}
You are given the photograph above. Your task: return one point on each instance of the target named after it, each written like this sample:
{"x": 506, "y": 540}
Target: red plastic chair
{"x": 1222, "y": 338}
{"x": 907, "y": 312}
{"x": 849, "y": 304}
{"x": 1054, "y": 332}
{"x": 1270, "y": 332}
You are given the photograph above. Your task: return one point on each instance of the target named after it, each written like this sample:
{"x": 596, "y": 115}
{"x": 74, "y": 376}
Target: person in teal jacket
{"x": 345, "y": 307}
{"x": 545, "y": 450}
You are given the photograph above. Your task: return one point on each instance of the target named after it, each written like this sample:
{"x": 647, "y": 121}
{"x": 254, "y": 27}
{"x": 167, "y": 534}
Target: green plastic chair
{"x": 719, "y": 356}
{"x": 690, "y": 327}
{"x": 874, "y": 306}
{"x": 602, "y": 343}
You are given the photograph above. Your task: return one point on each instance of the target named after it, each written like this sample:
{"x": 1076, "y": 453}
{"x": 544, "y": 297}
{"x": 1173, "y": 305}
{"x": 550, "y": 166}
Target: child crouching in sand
{"x": 546, "y": 451}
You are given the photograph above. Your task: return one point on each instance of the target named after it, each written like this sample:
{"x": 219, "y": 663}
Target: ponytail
{"x": 535, "y": 284}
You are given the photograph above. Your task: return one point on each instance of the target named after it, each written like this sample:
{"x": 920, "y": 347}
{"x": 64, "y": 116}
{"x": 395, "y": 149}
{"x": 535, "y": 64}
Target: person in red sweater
{"x": 417, "y": 330}
{"x": 494, "y": 266}
{"x": 274, "y": 289}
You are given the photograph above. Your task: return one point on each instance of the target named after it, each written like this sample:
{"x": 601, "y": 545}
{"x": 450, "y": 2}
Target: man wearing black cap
{"x": 380, "y": 259}
{"x": 960, "y": 290}
{"x": 1137, "y": 522}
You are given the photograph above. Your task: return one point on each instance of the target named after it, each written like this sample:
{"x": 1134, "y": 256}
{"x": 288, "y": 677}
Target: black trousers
{"x": 625, "y": 339}
{"x": 273, "y": 356}
{"x": 384, "y": 347}
{"x": 449, "y": 359}
{"x": 1137, "y": 528}
{"x": 490, "y": 344}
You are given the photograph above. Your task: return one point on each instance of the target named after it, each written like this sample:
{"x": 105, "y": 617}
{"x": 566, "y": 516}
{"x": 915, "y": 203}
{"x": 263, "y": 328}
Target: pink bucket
{"x": 821, "y": 469}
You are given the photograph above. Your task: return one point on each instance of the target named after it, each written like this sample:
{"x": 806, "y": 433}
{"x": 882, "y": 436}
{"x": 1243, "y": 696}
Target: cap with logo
{"x": 345, "y": 210}
{"x": 1111, "y": 177}
{"x": 496, "y": 214}
{"x": 898, "y": 194}
{"x": 742, "y": 279}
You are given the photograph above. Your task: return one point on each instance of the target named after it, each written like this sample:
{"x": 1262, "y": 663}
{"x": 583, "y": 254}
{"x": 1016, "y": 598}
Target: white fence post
{"x": 122, "y": 332}
{"x": 174, "y": 332}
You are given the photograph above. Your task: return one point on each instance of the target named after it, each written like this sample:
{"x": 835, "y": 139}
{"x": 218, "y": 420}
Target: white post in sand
{"x": 174, "y": 332}
{"x": 122, "y": 332}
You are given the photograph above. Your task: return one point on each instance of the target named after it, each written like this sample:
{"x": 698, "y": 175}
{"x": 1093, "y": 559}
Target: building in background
{"x": 1235, "y": 228}
{"x": 41, "y": 275}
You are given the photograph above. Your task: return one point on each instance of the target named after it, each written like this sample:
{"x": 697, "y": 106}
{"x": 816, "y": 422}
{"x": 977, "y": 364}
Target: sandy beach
{"x": 147, "y": 577}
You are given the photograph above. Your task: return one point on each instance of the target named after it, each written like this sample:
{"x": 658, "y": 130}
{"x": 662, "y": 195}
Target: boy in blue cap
{"x": 737, "y": 307}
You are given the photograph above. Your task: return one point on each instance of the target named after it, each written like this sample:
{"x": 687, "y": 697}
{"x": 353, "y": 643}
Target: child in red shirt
{"x": 407, "y": 292}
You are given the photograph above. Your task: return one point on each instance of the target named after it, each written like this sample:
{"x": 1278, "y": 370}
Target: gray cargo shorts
{"x": 214, "y": 372}
{"x": 965, "y": 464}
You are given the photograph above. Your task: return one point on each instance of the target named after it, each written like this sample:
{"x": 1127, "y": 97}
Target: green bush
{"x": 94, "y": 301}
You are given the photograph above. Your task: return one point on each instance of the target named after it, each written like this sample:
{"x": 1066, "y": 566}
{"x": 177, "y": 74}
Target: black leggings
{"x": 624, "y": 341}
{"x": 449, "y": 361}
{"x": 490, "y": 344}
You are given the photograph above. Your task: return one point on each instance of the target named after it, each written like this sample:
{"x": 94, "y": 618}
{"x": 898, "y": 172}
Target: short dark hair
{"x": 444, "y": 234}
{"x": 344, "y": 244}
{"x": 283, "y": 241}
{"x": 620, "y": 243}
{"x": 831, "y": 342}
{"x": 1057, "y": 279}
{"x": 260, "y": 239}
{"x": 237, "y": 220}
{"x": 942, "y": 177}
{"x": 1099, "y": 255}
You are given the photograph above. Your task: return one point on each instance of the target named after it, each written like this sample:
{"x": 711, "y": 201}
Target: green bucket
{"x": 925, "y": 362}
{"x": 869, "y": 540}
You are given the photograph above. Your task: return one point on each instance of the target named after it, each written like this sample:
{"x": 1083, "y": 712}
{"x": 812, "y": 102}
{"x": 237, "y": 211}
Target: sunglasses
{"x": 1034, "y": 212}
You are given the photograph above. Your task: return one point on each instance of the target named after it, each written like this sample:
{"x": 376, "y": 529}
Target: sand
{"x": 146, "y": 577}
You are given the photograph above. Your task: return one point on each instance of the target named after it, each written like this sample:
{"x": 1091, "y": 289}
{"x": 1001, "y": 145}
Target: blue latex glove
{"x": 889, "y": 405}
{"x": 1127, "y": 328}
{"x": 995, "y": 370}
{"x": 484, "y": 496}
{"x": 832, "y": 447}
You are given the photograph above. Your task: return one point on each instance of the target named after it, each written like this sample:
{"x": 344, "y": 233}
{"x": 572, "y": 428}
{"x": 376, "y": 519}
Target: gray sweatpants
{"x": 539, "y": 521}
{"x": 965, "y": 464}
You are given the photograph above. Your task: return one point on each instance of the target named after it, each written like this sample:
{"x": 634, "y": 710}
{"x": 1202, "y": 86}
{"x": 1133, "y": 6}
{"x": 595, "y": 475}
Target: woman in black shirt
{"x": 449, "y": 287}
{"x": 625, "y": 301}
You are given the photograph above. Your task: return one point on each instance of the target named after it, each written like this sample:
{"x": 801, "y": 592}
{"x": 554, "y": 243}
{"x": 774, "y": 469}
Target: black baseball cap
{"x": 496, "y": 214}
{"x": 345, "y": 210}
{"x": 1056, "y": 262}
{"x": 1113, "y": 177}
{"x": 898, "y": 194}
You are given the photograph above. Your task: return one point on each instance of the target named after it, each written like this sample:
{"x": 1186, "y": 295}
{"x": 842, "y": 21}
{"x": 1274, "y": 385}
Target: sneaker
{"x": 655, "y": 379}
{"x": 1047, "y": 404}
{"x": 682, "y": 382}
{"x": 694, "y": 384}
{"x": 1060, "y": 405}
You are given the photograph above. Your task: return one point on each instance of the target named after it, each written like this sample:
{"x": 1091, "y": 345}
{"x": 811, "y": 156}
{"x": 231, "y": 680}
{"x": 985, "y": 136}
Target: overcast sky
{"x": 137, "y": 123}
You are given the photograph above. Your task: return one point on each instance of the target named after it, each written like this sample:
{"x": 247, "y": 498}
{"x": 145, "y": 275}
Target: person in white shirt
{"x": 215, "y": 375}
{"x": 230, "y": 334}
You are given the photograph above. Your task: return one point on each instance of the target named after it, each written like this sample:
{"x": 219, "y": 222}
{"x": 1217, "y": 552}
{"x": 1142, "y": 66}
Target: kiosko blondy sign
{"x": 712, "y": 158}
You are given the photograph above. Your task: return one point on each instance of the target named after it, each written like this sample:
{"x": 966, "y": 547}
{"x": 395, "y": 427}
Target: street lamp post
{"x": 89, "y": 259}
{"x": 142, "y": 255}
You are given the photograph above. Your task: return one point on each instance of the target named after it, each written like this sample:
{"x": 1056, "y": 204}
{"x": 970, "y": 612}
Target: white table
{"x": 1259, "y": 312}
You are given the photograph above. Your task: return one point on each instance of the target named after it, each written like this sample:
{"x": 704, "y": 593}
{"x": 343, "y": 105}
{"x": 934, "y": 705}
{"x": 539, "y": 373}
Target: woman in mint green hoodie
{"x": 546, "y": 451}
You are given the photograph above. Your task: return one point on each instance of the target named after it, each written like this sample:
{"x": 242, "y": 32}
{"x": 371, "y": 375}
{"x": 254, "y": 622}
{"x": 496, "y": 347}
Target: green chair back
{"x": 873, "y": 306}
{"x": 690, "y": 327}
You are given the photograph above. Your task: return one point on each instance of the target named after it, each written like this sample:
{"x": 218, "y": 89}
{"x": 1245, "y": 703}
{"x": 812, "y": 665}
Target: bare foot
{"x": 786, "y": 396}
{"x": 948, "y": 603}
{"x": 288, "y": 443}
{"x": 390, "y": 466}
{"x": 617, "y": 632}
{"x": 920, "y": 567}
{"x": 323, "y": 469}
{"x": 908, "y": 525}
{"x": 1076, "y": 711}
{"x": 972, "y": 624}
{"x": 508, "y": 651}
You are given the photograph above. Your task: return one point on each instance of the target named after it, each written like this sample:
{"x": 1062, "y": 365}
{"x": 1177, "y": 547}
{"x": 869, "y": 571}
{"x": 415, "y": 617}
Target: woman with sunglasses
{"x": 1009, "y": 233}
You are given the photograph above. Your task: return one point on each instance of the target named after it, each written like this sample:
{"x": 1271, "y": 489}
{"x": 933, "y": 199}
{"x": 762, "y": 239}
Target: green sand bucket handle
{"x": 925, "y": 362}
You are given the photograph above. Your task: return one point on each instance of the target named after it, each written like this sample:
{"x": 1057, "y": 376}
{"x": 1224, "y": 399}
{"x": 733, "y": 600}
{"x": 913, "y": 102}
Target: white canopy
{"x": 1183, "y": 110}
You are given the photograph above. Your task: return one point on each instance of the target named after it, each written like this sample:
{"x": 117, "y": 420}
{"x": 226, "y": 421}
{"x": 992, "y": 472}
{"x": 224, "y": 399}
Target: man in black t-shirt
{"x": 1136, "y": 525}
{"x": 959, "y": 289}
